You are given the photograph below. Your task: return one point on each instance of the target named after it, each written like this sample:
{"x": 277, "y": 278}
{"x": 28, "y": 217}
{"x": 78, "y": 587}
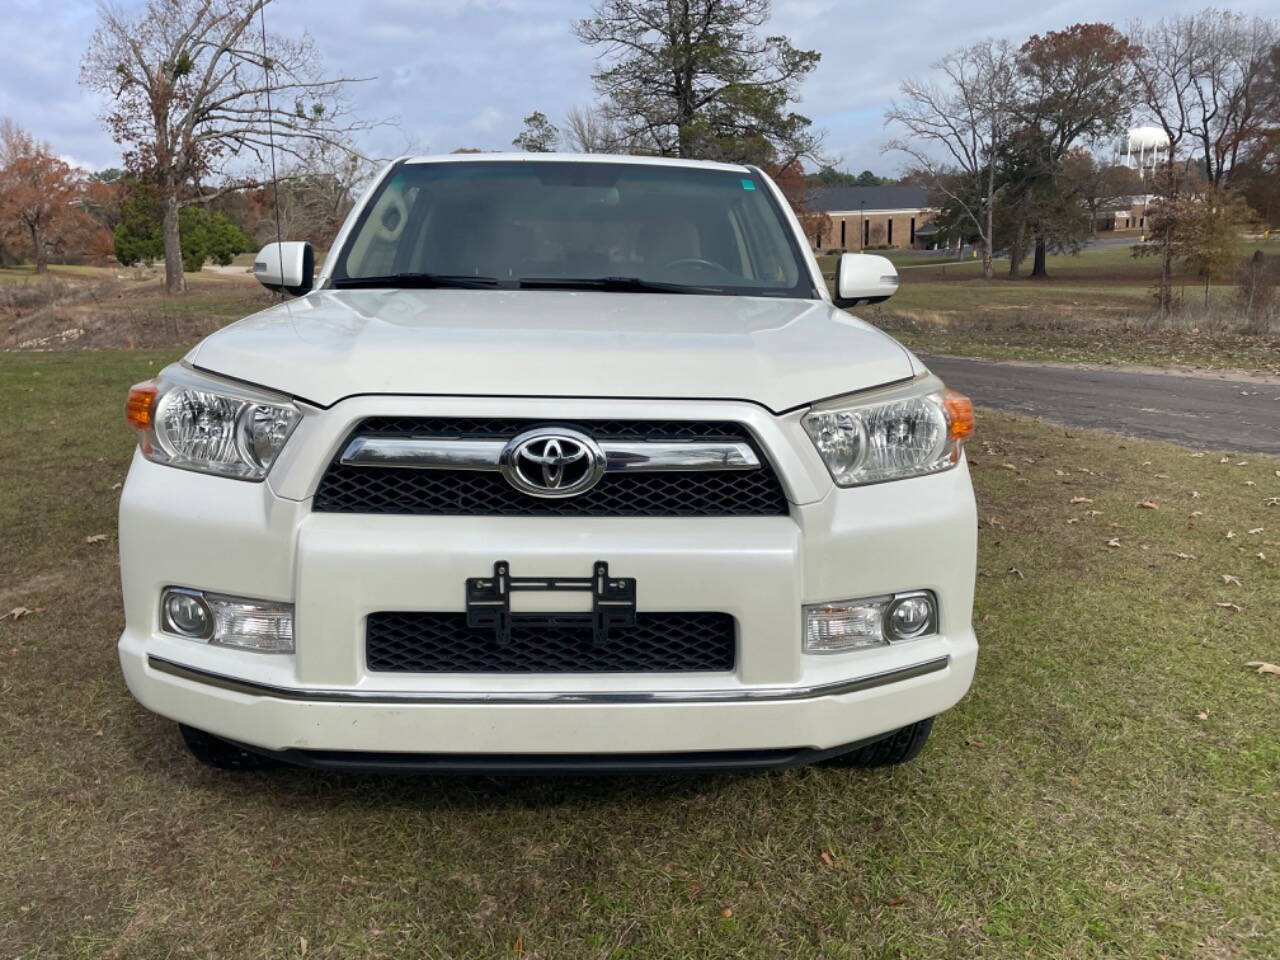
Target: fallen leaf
{"x": 1230, "y": 606}
{"x": 1081, "y": 500}
{"x": 1264, "y": 667}
{"x": 1195, "y": 494}
{"x": 1184, "y": 556}
{"x": 1231, "y": 534}
{"x": 727, "y": 912}
{"x": 1074, "y": 520}
{"x": 1260, "y": 555}
{"x": 1250, "y": 483}
{"x": 1148, "y": 505}
{"x": 1225, "y": 460}
{"x": 95, "y": 538}
{"x": 1197, "y": 513}
{"x": 1256, "y": 530}
{"x": 302, "y": 945}
{"x": 1061, "y": 473}
{"x": 1113, "y": 542}
{"x": 17, "y": 613}
{"x": 1009, "y": 466}
{"x": 827, "y": 859}
{"x": 1093, "y": 513}
{"x": 1230, "y": 580}
{"x": 897, "y": 901}
{"x": 1202, "y": 715}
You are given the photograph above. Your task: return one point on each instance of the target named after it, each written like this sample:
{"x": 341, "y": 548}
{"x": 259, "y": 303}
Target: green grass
{"x": 1094, "y": 307}
{"x": 24, "y": 273}
{"x": 1071, "y": 806}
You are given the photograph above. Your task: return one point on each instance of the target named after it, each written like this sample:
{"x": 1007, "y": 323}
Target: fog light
{"x": 262, "y": 625}
{"x": 185, "y": 613}
{"x": 840, "y": 627}
{"x": 869, "y": 623}
{"x": 910, "y": 617}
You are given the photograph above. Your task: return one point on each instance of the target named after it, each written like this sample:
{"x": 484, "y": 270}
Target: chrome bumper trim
{"x": 620, "y": 455}
{"x": 747, "y": 695}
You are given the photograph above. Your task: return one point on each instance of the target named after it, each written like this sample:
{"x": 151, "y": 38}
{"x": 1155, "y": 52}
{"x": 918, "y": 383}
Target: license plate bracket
{"x": 613, "y": 602}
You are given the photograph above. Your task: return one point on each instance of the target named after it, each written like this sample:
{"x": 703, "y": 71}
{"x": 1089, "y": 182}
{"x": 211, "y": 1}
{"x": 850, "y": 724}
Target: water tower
{"x": 1143, "y": 150}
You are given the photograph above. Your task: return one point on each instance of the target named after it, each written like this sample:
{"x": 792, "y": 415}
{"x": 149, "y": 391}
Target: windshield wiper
{"x": 620, "y": 284}
{"x": 419, "y": 281}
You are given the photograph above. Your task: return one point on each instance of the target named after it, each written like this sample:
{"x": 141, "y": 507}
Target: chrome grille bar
{"x": 621, "y": 456}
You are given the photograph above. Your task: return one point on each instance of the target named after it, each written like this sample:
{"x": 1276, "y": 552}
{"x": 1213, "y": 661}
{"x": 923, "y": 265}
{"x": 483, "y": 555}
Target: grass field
{"x": 1111, "y": 785}
{"x": 1094, "y": 307}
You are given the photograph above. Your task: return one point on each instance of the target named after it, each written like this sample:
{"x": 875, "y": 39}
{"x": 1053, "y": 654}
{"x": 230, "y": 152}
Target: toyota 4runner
{"x": 559, "y": 463}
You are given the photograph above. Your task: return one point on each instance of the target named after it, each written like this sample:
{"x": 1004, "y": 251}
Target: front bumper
{"x": 262, "y": 541}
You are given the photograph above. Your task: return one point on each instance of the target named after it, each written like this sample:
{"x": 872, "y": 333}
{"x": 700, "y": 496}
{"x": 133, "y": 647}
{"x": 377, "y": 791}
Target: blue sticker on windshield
{"x": 748, "y": 185}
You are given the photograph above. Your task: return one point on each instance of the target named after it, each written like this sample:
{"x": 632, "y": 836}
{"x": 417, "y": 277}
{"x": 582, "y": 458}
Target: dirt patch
{"x": 42, "y": 585}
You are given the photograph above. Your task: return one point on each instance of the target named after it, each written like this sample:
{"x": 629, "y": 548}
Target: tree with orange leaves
{"x": 791, "y": 181}
{"x": 39, "y": 197}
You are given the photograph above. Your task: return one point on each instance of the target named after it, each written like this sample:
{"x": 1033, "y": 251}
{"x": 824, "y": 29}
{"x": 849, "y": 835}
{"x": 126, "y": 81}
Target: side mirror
{"x": 287, "y": 267}
{"x": 864, "y": 278}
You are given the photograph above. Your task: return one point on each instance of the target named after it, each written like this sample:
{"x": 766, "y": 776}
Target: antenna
{"x": 271, "y": 140}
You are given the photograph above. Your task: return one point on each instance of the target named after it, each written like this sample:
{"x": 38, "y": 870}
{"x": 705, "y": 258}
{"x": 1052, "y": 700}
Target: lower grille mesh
{"x": 443, "y": 643}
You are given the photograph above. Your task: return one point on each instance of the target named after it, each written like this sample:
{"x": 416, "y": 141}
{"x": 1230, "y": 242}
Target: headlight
{"x": 902, "y": 432}
{"x": 198, "y": 423}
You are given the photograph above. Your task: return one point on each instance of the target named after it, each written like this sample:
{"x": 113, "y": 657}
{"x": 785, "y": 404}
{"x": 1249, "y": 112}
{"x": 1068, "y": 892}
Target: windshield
{"x": 575, "y": 225}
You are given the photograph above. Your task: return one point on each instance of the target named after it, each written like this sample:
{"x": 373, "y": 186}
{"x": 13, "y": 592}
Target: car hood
{"x": 331, "y": 344}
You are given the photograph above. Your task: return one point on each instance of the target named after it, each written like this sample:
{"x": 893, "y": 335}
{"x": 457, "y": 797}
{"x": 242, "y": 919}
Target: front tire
{"x": 900, "y": 746}
{"x": 222, "y": 754}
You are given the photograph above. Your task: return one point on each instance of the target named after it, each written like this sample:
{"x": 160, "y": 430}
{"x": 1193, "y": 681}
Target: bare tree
{"x": 590, "y": 130}
{"x": 197, "y": 86}
{"x": 1231, "y": 67}
{"x": 313, "y": 195}
{"x": 1166, "y": 72}
{"x": 956, "y": 129}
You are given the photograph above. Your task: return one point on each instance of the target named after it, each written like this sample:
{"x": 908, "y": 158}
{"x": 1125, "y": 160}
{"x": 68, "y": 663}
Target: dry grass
{"x": 133, "y": 314}
{"x": 1073, "y": 806}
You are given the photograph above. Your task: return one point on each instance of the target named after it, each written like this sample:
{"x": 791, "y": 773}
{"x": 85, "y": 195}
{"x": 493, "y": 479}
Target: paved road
{"x": 1201, "y": 412}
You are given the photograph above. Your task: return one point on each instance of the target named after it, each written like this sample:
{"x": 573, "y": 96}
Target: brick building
{"x": 867, "y": 218}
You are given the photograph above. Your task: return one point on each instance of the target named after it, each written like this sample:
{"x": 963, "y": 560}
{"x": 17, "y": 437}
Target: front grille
{"x": 443, "y": 643}
{"x": 397, "y": 490}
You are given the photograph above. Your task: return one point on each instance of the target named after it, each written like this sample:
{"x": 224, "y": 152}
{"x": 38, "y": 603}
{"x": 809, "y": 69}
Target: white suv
{"x": 565, "y": 463}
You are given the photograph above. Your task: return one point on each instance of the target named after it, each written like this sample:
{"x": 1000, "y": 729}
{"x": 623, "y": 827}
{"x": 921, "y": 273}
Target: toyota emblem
{"x": 552, "y": 462}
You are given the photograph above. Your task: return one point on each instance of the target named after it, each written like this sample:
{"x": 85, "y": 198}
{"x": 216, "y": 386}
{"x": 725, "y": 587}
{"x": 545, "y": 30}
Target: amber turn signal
{"x": 959, "y": 412}
{"x": 141, "y": 403}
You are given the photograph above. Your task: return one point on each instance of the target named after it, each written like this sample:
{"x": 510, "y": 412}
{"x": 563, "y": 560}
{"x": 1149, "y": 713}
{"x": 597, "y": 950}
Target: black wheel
{"x": 221, "y": 754}
{"x": 899, "y": 747}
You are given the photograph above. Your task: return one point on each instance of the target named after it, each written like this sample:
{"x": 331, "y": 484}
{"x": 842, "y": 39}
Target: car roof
{"x": 574, "y": 158}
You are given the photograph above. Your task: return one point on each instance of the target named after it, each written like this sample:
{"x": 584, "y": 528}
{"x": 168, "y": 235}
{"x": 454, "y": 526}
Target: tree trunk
{"x": 987, "y": 251}
{"x": 1015, "y": 253}
{"x": 41, "y": 247}
{"x": 174, "y": 281}
{"x": 1038, "y": 268}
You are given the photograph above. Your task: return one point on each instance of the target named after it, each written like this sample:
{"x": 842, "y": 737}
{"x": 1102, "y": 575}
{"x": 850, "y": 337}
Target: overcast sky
{"x": 463, "y": 74}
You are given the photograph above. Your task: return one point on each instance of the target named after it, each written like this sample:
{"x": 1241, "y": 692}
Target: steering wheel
{"x": 697, "y": 262}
